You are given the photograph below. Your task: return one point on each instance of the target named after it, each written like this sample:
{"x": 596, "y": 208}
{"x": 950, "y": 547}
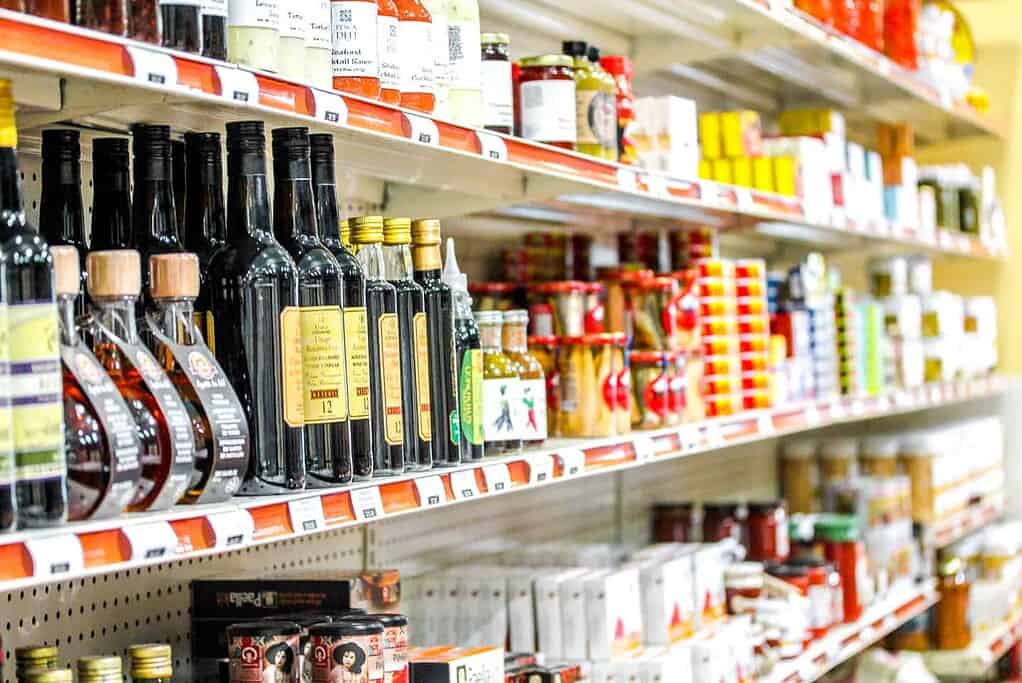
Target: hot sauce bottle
{"x": 389, "y": 449}
{"x": 320, "y": 289}
{"x": 254, "y": 298}
{"x": 161, "y": 418}
{"x": 389, "y": 40}
{"x": 415, "y": 31}
{"x": 100, "y": 441}
{"x": 413, "y": 327}
{"x": 217, "y": 419}
{"x": 353, "y": 303}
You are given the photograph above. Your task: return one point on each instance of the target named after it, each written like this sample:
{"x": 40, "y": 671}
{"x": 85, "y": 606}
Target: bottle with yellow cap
{"x": 33, "y": 341}
{"x": 413, "y": 327}
{"x": 151, "y": 663}
{"x": 328, "y": 459}
{"x": 353, "y": 303}
{"x": 384, "y": 349}
{"x": 100, "y": 440}
{"x": 34, "y": 658}
{"x": 217, "y": 418}
{"x": 99, "y": 669}
{"x": 254, "y": 299}
{"x": 161, "y": 418}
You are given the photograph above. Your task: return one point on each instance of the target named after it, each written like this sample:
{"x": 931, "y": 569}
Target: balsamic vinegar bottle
{"x": 154, "y": 212}
{"x": 320, "y": 288}
{"x": 33, "y": 338}
{"x": 414, "y": 342}
{"x": 443, "y": 383}
{"x": 254, "y": 300}
{"x": 111, "y": 195}
{"x": 384, "y": 349}
{"x": 353, "y": 302}
{"x": 205, "y": 227}
{"x": 61, "y": 216}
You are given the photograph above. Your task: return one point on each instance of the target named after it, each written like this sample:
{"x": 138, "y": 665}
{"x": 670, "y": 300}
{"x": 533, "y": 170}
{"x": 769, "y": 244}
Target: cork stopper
{"x": 174, "y": 276}
{"x": 366, "y": 229}
{"x": 397, "y": 231}
{"x": 65, "y": 270}
{"x": 426, "y": 232}
{"x": 114, "y": 273}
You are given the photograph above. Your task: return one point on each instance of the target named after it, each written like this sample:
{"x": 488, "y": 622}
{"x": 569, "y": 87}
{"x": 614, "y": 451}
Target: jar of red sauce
{"x": 821, "y": 612}
{"x": 546, "y": 100}
{"x": 417, "y": 81}
{"x": 792, "y": 574}
{"x": 722, "y": 521}
{"x": 845, "y": 550}
{"x": 768, "y": 531}
{"x": 672, "y": 523}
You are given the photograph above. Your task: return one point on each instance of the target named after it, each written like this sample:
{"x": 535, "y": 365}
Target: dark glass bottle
{"x": 154, "y": 213}
{"x": 182, "y": 25}
{"x": 468, "y": 361}
{"x": 61, "y": 216}
{"x": 353, "y": 302}
{"x": 144, "y": 20}
{"x": 111, "y": 195}
{"x": 10, "y": 196}
{"x": 443, "y": 383}
{"x": 214, "y": 29}
{"x": 413, "y": 328}
{"x": 109, "y": 16}
{"x": 34, "y": 338}
{"x": 205, "y": 226}
{"x": 179, "y": 159}
{"x": 384, "y": 349}
{"x": 254, "y": 301}
{"x": 320, "y": 288}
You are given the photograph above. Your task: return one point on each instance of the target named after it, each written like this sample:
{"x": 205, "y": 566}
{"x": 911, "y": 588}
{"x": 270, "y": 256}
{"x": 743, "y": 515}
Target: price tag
{"x": 689, "y": 437}
{"x": 858, "y": 408}
{"x": 330, "y": 107}
{"x": 832, "y": 647}
{"x": 573, "y": 461}
{"x": 237, "y": 85}
{"x": 431, "y": 491}
{"x": 713, "y": 435}
{"x": 56, "y": 555}
{"x": 231, "y": 529}
{"x": 628, "y": 179}
{"x": 807, "y": 671}
{"x": 743, "y": 199}
{"x": 367, "y": 503}
{"x": 709, "y": 193}
{"x": 935, "y": 394}
{"x": 306, "y": 514}
{"x": 492, "y": 146}
{"x": 765, "y": 425}
{"x": 837, "y": 411}
{"x": 657, "y": 185}
{"x": 498, "y": 478}
{"x": 153, "y": 67}
{"x": 151, "y": 540}
{"x": 541, "y": 468}
{"x": 463, "y": 483}
{"x": 813, "y": 415}
{"x": 645, "y": 447}
{"x": 424, "y": 130}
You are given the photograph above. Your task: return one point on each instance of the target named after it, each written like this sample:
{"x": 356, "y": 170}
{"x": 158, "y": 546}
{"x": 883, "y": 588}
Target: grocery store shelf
{"x": 901, "y": 604}
{"x": 969, "y": 521}
{"x": 28, "y": 558}
{"x": 976, "y": 660}
{"x": 391, "y": 160}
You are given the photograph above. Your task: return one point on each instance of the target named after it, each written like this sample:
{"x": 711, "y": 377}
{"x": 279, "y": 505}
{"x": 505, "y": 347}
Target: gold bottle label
{"x": 422, "y": 376}
{"x": 356, "y": 346}
{"x": 390, "y": 366}
{"x": 291, "y": 366}
{"x": 325, "y": 395}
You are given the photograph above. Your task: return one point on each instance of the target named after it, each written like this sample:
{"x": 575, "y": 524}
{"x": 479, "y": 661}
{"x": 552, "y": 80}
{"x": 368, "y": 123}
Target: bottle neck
{"x": 327, "y": 214}
{"x": 174, "y": 320}
{"x": 426, "y": 258}
{"x": 397, "y": 262}
{"x": 155, "y": 215}
{"x": 489, "y": 337}
{"x": 11, "y": 212}
{"x": 370, "y": 256}
{"x": 204, "y": 226}
{"x": 66, "y": 311}
{"x": 514, "y": 338}
{"x": 118, "y": 315}
{"x": 294, "y": 208}
{"x": 61, "y": 217}
{"x": 111, "y": 177}
{"x": 111, "y": 206}
{"x": 248, "y": 205}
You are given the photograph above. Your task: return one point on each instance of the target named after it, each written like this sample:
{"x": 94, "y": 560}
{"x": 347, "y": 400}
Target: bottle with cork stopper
{"x": 218, "y": 422}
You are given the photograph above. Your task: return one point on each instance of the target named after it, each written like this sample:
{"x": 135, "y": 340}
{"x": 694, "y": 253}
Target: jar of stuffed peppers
{"x": 650, "y": 389}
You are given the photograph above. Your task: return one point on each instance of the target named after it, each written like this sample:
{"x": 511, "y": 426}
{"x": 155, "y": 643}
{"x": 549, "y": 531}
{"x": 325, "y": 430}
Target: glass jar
{"x": 109, "y": 16}
{"x": 568, "y": 301}
{"x": 494, "y": 296}
{"x": 501, "y": 398}
{"x": 418, "y": 84}
{"x": 57, "y": 10}
{"x": 800, "y": 476}
{"x": 144, "y": 21}
{"x": 672, "y": 523}
{"x": 182, "y": 25}
{"x": 578, "y": 399}
{"x": 650, "y": 389}
{"x": 532, "y": 378}
{"x": 791, "y": 574}
{"x": 607, "y": 368}
{"x": 359, "y": 72}
{"x": 878, "y": 457}
{"x": 546, "y": 96}
{"x": 844, "y": 549}
{"x": 214, "y": 29}
{"x": 821, "y": 611}
{"x": 837, "y": 460}
{"x": 744, "y": 580}
{"x": 589, "y": 88}
{"x": 614, "y": 301}
{"x": 544, "y": 350}
{"x": 952, "y": 630}
{"x": 722, "y": 521}
{"x": 768, "y": 532}
{"x": 498, "y": 109}
{"x": 654, "y": 315}
{"x": 623, "y": 407}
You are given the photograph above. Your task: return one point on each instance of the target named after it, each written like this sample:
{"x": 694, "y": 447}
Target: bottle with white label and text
{"x": 440, "y": 44}
{"x": 531, "y": 410}
{"x": 498, "y": 104}
{"x": 318, "y": 71}
{"x": 502, "y": 389}
{"x": 388, "y": 37}
{"x": 253, "y": 34}
{"x": 415, "y": 27}
{"x": 466, "y": 99}
{"x": 355, "y": 45}
{"x": 293, "y": 29}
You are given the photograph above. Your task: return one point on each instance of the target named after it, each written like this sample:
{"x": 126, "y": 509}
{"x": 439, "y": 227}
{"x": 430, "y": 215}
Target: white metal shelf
{"x": 976, "y": 660}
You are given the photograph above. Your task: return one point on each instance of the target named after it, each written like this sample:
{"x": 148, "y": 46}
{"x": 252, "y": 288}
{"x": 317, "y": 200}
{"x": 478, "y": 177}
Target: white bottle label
{"x": 416, "y": 57}
{"x": 441, "y": 62}
{"x": 355, "y": 48}
{"x": 501, "y": 406}
{"x": 548, "y": 111}
{"x": 255, "y": 14}
{"x": 214, "y": 8}
{"x": 533, "y": 410}
{"x": 465, "y": 54}
{"x": 317, "y": 13}
{"x": 389, "y": 41}
{"x": 292, "y": 20}
{"x": 498, "y": 109}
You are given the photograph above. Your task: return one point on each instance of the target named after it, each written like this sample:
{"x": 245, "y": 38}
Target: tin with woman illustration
{"x": 264, "y": 652}
{"x": 347, "y": 651}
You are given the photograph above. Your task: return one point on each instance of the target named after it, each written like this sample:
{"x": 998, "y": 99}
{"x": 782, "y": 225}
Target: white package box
{"x": 614, "y": 611}
{"x": 549, "y": 629}
{"x": 521, "y": 610}
{"x": 574, "y": 641}
{"x": 668, "y": 599}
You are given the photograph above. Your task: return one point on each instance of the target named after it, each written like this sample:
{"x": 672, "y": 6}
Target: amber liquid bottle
{"x": 61, "y": 217}
{"x": 254, "y": 296}
{"x": 389, "y": 452}
{"x": 111, "y": 195}
{"x": 320, "y": 290}
{"x": 353, "y": 302}
{"x": 205, "y": 228}
{"x": 154, "y": 210}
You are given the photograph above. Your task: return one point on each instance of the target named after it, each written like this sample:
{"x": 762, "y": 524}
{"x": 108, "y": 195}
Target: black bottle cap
{"x": 322, "y": 145}
{"x": 61, "y": 143}
{"x": 205, "y": 142}
{"x": 290, "y": 144}
{"x": 150, "y": 138}
{"x": 594, "y": 54}
{"x": 246, "y": 136}
{"x": 110, "y": 150}
{"x": 574, "y": 48}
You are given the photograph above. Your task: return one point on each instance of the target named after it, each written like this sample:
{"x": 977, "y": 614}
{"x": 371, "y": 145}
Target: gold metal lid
{"x": 397, "y": 231}
{"x": 494, "y": 39}
{"x": 344, "y": 227}
{"x": 426, "y": 232}
{"x": 36, "y": 652}
{"x": 366, "y": 229}
{"x": 99, "y": 665}
{"x": 65, "y": 270}
{"x": 174, "y": 276}
{"x": 146, "y": 651}
{"x": 38, "y": 675}
{"x": 547, "y": 60}
{"x": 114, "y": 273}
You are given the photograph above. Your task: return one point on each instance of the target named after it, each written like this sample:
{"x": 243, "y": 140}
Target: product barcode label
{"x": 492, "y": 146}
{"x": 498, "y": 478}
{"x": 330, "y": 107}
{"x": 306, "y": 515}
{"x": 431, "y": 491}
{"x": 423, "y": 130}
{"x": 541, "y": 468}
{"x": 367, "y": 503}
{"x": 153, "y": 67}
{"x": 463, "y": 484}
{"x": 150, "y": 541}
{"x": 573, "y": 461}
{"x": 55, "y": 555}
{"x": 237, "y": 85}
{"x": 232, "y": 528}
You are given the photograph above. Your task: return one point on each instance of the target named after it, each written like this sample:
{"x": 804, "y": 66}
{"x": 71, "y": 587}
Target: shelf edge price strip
{"x": 423, "y": 130}
{"x": 367, "y": 503}
{"x": 644, "y": 446}
{"x": 151, "y": 540}
{"x": 573, "y": 462}
{"x": 492, "y": 146}
{"x": 330, "y": 107}
{"x": 498, "y": 478}
{"x": 237, "y": 85}
{"x": 155, "y": 68}
{"x": 541, "y": 468}
{"x": 463, "y": 484}
{"x": 56, "y": 555}
{"x": 306, "y": 515}
{"x": 431, "y": 491}
{"x": 232, "y": 528}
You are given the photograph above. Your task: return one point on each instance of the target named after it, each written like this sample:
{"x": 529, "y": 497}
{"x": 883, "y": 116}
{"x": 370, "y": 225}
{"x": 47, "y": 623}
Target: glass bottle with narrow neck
{"x": 443, "y": 383}
{"x": 61, "y": 216}
{"x": 33, "y": 338}
{"x": 468, "y": 361}
{"x": 9, "y": 206}
{"x": 501, "y": 389}
{"x": 254, "y": 299}
{"x": 154, "y": 213}
{"x": 328, "y": 459}
{"x": 389, "y": 448}
{"x": 353, "y": 303}
{"x": 111, "y": 195}
{"x": 413, "y": 328}
{"x": 206, "y": 221}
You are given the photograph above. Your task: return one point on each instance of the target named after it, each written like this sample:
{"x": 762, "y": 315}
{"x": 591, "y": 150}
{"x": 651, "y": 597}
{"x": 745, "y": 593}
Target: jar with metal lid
{"x": 354, "y": 645}
{"x": 767, "y": 525}
{"x": 498, "y": 107}
{"x": 800, "y": 476}
{"x": 546, "y": 96}
{"x": 676, "y": 387}
{"x": 654, "y": 314}
{"x": 672, "y": 522}
{"x": 650, "y": 389}
{"x": 259, "y": 645}
{"x": 494, "y": 296}
{"x": 544, "y": 349}
{"x": 623, "y": 407}
{"x": 745, "y": 580}
{"x": 568, "y": 301}
{"x": 502, "y": 389}
{"x": 722, "y": 521}
{"x": 606, "y": 368}
{"x": 878, "y": 456}
{"x": 395, "y": 646}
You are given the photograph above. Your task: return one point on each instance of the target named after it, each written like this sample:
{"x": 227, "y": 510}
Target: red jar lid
{"x": 559, "y": 287}
{"x": 646, "y": 357}
{"x": 659, "y": 284}
{"x": 545, "y": 340}
{"x": 492, "y": 287}
{"x": 617, "y": 64}
{"x": 593, "y": 288}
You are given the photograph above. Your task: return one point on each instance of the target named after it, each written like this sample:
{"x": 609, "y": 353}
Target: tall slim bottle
{"x": 254, "y": 300}
{"x": 154, "y": 211}
{"x": 320, "y": 289}
{"x": 111, "y": 195}
{"x": 33, "y": 337}
{"x": 389, "y": 451}
{"x": 413, "y": 329}
{"x": 353, "y": 302}
{"x": 465, "y": 94}
{"x": 61, "y": 216}
{"x": 10, "y": 209}
{"x": 205, "y": 228}
{"x": 468, "y": 361}
{"x": 443, "y": 383}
